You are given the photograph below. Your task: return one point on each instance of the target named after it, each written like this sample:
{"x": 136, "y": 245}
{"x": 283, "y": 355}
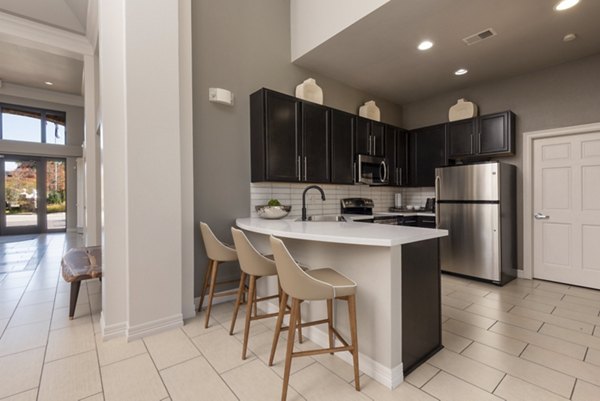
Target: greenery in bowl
{"x": 273, "y": 210}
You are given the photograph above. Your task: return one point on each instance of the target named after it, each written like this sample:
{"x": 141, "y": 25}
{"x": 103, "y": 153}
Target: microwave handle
{"x": 384, "y": 178}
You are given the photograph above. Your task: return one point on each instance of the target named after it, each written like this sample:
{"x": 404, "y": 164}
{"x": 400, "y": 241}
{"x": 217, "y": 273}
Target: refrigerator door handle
{"x": 437, "y": 198}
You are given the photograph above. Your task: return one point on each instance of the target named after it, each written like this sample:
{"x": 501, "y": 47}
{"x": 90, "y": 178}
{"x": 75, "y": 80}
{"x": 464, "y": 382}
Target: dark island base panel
{"x": 421, "y": 303}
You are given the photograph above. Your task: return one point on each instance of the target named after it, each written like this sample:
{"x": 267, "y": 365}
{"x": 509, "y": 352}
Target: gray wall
{"x": 75, "y": 120}
{"x": 560, "y": 96}
{"x": 243, "y": 46}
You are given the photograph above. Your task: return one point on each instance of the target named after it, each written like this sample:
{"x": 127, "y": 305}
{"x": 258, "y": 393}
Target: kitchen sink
{"x": 325, "y": 218}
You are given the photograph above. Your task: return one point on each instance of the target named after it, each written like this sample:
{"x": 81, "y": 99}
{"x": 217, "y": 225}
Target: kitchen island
{"x": 398, "y": 295}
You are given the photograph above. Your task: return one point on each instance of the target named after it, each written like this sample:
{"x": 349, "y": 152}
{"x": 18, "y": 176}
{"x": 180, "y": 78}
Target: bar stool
{"x": 254, "y": 265}
{"x": 318, "y": 284}
{"x": 217, "y": 252}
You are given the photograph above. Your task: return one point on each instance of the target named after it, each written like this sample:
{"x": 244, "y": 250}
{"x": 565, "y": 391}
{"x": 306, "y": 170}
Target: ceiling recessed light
{"x": 569, "y": 37}
{"x": 425, "y": 45}
{"x": 49, "y": 83}
{"x": 565, "y": 4}
{"x": 461, "y": 71}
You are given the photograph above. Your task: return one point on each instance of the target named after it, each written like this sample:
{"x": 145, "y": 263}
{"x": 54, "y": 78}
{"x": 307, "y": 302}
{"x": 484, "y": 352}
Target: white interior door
{"x": 566, "y": 201}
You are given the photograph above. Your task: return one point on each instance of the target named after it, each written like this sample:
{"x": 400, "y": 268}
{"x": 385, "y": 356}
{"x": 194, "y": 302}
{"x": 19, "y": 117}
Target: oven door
{"x": 372, "y": 170}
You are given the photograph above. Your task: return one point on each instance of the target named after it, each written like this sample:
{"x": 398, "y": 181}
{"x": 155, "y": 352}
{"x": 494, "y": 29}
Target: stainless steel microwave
{"x": 372, "y": 170}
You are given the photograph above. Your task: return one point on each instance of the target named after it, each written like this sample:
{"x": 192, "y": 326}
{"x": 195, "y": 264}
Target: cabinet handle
{"x": 305, "y": 179}
{"x": 354, "y": 172}
{"x": 400, "y": 175}
{"x": 299, "y": 170}
{"x": 374, "y": 144}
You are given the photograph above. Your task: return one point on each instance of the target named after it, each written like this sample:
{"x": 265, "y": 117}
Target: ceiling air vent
{"x": 478, "y": 37}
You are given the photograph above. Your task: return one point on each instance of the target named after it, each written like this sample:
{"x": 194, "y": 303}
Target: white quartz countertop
{"x": 350, "y": 232}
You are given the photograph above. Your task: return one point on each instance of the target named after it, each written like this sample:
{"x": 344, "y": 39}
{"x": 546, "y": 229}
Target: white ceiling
{"x": 378, "y": 53}
{"x": 70, "y": 15}
{"x": 32, "y": 67}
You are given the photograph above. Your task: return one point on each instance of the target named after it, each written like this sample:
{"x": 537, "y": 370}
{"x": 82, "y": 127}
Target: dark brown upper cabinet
{"x": 461, "y": 138}
{"x": 370, "y": 137}
{"x": 343, "y": 169}
{"x": 315, "y": 161}
{"x": 396, "y": 154}
{"x": 427, "y": 152}
{"x": 482, "y": 137}
{"x": 497, "y": 134}
{"x": 289, "y": 139}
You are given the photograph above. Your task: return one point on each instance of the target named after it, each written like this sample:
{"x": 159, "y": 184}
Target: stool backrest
{"x": 215, "y": 249}
{"x": 294, "y": 281}
{"x": 251, "y": 261}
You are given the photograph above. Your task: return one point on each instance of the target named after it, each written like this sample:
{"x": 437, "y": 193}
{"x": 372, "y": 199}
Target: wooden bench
{"x": 80, "y": 264}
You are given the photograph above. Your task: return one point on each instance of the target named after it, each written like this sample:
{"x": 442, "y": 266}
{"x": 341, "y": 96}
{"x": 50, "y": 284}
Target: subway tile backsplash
{"x": 291, "y": 194}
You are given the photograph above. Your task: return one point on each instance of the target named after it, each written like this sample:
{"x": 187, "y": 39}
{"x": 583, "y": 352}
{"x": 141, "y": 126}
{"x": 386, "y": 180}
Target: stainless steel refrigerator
{"x": 476, "y": 203}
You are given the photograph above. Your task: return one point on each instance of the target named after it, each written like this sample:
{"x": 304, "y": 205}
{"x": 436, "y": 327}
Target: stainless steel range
{"x": 364, "y": 206}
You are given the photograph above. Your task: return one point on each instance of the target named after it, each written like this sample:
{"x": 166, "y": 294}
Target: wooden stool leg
{"x": 238, "y": 300}
{"x": 211, "y": 291}
{"x": 354, "y": 335}
{"x": 330, "y": 323}
{"x": 75, "y": 286}
{"x": 290, "y": 347}
{"x": 251, "y": 298}
{"x": 205, "y": 285}
{"x": 282, "y": 307}
{"x": 255, "y": 308}
{"x": 299, "y": 322}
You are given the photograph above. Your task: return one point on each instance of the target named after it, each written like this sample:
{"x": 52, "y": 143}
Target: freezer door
{"x": 478, "y": 182}
{"x": 472, "y": 245}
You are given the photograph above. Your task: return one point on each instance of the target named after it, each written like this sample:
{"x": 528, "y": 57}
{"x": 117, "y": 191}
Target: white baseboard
{"x": 112, "y": 331}
{"x": 154, "y": 327}
{"x": 523, "y": 274}
{"x": 389, "y": 377}
{"x": 189, "y": 310}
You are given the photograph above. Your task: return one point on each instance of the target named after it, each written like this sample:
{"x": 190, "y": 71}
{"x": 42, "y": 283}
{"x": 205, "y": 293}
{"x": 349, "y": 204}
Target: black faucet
{"x": 304, "y": 198}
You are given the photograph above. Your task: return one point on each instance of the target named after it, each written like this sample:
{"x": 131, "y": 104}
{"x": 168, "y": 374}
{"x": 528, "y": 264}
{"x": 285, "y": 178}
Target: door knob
{"x": 541, "y": 216}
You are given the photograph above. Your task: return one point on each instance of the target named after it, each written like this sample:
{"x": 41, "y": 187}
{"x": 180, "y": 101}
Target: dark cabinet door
{"x": 390, "y": 154}
{"x": 342, "y": 149}
{"x": 401, "y": 157}
{"x": 428, "y": 148}
{"x": 497, "y": 134}
{"x": 282, "y": 138}
{"x": 362, "y": 136}
{"x": 315, "y": 143}
{"x": 426, "y": 221}
{"x": 461, "y": 138}
{"x": 377, "y": 139}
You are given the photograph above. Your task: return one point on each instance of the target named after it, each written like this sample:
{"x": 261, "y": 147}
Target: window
{"x": 32, "y": 125}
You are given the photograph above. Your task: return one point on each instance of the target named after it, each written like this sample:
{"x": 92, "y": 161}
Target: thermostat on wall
{"x": 218, "y": 95}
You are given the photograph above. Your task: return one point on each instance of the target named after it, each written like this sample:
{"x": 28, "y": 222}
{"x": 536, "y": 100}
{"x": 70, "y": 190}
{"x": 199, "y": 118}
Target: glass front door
{"x": 33, "y": 192}
{"x": 56, "y": 195}
{"x": 21, "y": 196}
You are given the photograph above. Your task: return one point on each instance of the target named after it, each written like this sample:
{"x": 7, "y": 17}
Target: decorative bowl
{"x": 272, "y": 212}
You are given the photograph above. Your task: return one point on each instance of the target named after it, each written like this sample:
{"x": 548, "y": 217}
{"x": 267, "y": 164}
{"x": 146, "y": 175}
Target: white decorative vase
{"x": 370, "y": 110}
{"x": 461, "y": 110}
{"x": 309, "y": 90}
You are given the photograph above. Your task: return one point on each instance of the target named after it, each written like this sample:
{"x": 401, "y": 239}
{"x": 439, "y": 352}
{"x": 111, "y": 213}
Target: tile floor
{"x": 530, "y": 340}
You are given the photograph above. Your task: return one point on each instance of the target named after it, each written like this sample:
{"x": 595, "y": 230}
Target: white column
{"x": 187, "y": 157}
{"x": 91, "y": 162}
{"x": 141, "y": 162}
